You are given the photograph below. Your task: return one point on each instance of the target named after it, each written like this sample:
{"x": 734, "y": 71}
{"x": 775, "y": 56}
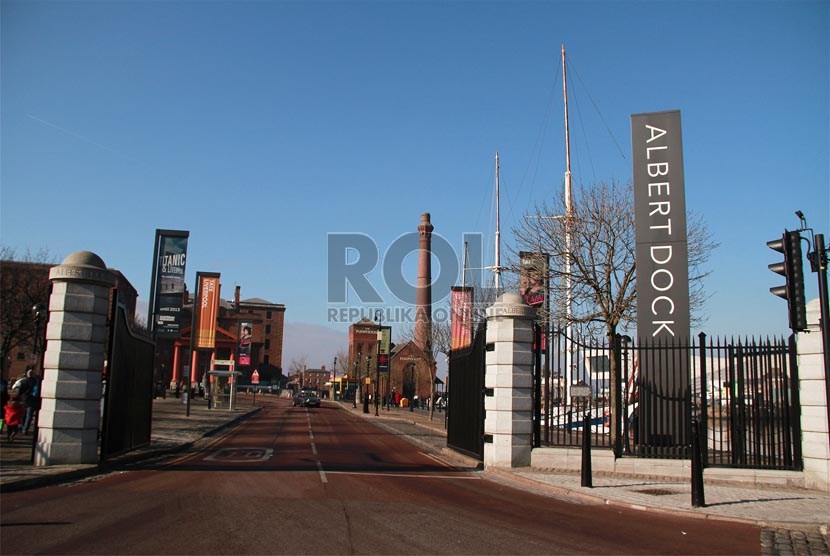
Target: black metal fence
{"x": 128, "y": 394}
{"x": 465, "y": 412}
{"x": 744, "y": 393}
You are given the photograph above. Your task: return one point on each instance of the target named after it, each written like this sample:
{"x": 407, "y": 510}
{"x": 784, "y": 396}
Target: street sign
{"x": 580, "y": 390}
{"x": 255, "y": 377}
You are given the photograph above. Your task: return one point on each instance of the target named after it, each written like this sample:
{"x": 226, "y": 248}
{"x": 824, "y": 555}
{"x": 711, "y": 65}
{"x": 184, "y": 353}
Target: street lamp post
{"x": 354, "y": 394}
{"x": 39, "y": 312}
{"x": 333, "y": 377}
{"x": 379, "y": 319}
{"x": 412, "y": 387}
{"x": 366, "y": 394}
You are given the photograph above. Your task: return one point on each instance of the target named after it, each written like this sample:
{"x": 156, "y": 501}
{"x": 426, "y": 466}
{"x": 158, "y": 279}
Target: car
{"x": 310, "y": 400}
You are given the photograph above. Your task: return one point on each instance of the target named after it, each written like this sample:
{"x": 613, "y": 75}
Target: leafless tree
{"x": 20, "y": 291}
{"x": 440, "y": 341}
{"x": 298, "y": 364}
{"x": 602, "y": 259}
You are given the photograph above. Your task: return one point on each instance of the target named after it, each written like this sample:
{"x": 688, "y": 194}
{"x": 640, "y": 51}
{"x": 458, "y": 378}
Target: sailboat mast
{"x": 497, "y": 262}
{"x": 568, "y": 235}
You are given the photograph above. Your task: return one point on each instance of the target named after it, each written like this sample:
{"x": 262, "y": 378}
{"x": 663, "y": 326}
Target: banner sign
{"x": 660, "y": 227}
{"x": 534, "y": 271}
{"x": 461, "y": 315}
{"x": 384, "y": 349}
{"x": 662, "y": 262}
{"x": 245, "y": 338}
{"x": 167, "y": 287}
{"x": 205, "y": 310}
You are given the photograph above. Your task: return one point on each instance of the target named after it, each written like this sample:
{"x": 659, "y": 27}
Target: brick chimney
{"x": 423, "y": 295}
{"x": 236, "y": 299}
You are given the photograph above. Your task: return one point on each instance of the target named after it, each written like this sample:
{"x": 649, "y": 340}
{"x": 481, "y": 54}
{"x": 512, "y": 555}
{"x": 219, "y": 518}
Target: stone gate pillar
{"x": 815, "y": 438}
{"x": 509, "y": 374}
{"x": 74, "y": 361}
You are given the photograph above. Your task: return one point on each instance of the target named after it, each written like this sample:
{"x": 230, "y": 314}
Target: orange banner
{"x": 206, "y": 310}
{"x": 461, "y": 302}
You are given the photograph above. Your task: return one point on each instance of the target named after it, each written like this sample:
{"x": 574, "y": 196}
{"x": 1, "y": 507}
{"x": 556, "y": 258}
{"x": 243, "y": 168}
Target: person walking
{"x": 12, "y": 415}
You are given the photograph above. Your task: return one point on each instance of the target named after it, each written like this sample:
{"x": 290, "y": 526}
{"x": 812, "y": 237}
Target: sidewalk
{"x": 773, "y": 507}
{"x": 172, "y": 431}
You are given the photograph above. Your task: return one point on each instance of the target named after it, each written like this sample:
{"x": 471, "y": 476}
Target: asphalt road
{"x": 323, "y": 481}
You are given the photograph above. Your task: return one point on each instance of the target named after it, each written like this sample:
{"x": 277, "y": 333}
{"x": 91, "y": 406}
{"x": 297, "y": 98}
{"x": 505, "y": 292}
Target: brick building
{"x": 264, "y": 352}
{"x": 409, "y": 370}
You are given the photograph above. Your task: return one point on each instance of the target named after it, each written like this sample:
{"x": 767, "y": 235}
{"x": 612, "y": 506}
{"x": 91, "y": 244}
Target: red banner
{"x": 461, "y": 308}
{"x": 206, "y": 310}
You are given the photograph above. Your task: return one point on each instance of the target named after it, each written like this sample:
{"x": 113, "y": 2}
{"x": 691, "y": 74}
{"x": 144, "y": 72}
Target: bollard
{"x": 698, "y": 498}
{"x": 586, "y": 451}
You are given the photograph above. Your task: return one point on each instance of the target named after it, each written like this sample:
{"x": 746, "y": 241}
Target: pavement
{"x": 793, "y": 521}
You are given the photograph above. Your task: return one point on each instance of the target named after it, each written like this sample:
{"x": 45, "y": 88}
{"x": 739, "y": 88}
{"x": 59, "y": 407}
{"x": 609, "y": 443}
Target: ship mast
{"x": 568, "y": 239}
{"x": 497, "y": 261}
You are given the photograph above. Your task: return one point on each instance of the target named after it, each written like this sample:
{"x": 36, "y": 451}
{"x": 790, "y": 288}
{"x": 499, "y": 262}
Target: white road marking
{"x": 393, "y": 475}
{"x": 241, "y": 455}
{"x": 313, "y": 448}
{"x": 322, "y": 473}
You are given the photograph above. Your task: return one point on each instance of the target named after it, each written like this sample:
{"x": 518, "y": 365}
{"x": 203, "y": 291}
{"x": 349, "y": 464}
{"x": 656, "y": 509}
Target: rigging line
{"x": 585, "y": 137}
{"x": 607, "y": 128}
{"x": 481, "y": 207}
{"x": 541, "y": 134}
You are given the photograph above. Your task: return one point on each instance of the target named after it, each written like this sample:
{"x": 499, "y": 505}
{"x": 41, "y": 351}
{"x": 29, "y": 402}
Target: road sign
{"x": 255, "y": 377}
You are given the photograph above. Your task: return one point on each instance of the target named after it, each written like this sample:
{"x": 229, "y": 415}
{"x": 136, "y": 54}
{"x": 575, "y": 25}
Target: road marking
{"x": 241, "y": 455}
{"x": 313, "y": 448}
{"x": 322, "y": 473}
{"x": 393, "y": 475}
{"x": 434, "y": 458}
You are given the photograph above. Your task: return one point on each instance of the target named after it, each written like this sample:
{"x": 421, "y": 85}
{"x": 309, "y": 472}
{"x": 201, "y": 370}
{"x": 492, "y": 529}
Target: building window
{"x": 268, "y": 315}
{"x": 21, "y": 355}
{"x": 268, "y": 328}
{"x": 267, "y": 344}
{"x": 266, "y": 359}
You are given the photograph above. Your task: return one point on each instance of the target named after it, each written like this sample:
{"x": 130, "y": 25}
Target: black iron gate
{"x": 745, "y": 394}
{"x": 128, "y": 394}
{"x": 465, "y": 412}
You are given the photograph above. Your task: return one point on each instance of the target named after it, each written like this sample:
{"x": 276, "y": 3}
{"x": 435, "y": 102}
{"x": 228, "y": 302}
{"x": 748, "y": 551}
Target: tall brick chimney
{"x": 423, "y": 297}
{"x": 236, "y": 299}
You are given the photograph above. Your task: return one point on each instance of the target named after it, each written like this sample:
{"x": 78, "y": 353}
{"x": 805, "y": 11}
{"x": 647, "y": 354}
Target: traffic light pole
{"x": 820, "y": 267}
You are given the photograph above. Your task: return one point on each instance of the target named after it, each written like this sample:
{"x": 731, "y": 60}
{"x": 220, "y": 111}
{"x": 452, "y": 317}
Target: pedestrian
{"x": 25, "y": 388}
{"x": 12, "y": 415}
{"x": 31, "y": 403}
{"x": 4, "y": 398}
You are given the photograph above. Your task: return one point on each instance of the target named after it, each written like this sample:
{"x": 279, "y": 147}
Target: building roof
{"x": 259, "y": 301}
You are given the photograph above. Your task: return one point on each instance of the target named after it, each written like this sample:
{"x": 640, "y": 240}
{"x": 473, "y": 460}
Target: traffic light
{"x": 792, "y": 269}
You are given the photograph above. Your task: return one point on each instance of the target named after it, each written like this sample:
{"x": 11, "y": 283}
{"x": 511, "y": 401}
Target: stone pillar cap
{"x": 511, "y": 304}
{"x": 83, "y": 266}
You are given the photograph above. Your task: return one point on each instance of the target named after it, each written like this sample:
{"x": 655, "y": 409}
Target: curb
{"x": 507, "y": 476}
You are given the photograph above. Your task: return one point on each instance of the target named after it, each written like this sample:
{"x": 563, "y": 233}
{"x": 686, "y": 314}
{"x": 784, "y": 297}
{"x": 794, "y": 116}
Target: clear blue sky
{"x": 261, "y": 126}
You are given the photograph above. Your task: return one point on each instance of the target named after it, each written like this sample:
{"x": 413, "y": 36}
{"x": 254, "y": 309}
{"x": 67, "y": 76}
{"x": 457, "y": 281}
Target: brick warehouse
{"x": 409, "y": 369}
{"x": 266, "y": 320}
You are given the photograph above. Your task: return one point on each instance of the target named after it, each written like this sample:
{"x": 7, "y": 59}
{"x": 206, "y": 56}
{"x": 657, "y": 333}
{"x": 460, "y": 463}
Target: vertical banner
{"x": 167, "y": 285}
{"x": 245, "y": 339}
{"x": 384, "y": 348}
{"x": 663, "y": 313}
{"x": 461, "y": 315}
{"x": 205, "y": 310}
{"x": 660, "y": 227}
{"x": 534, "y": 271}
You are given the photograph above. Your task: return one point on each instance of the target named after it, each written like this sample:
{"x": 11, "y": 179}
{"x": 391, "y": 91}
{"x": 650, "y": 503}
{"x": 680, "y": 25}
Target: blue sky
{"x": 261, "y": 126}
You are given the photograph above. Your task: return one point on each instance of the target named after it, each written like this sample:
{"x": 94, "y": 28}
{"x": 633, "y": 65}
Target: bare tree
{"x": 602, "y": 273}
{"x": 440, "y": 341}
{"x": 298, "y": 364}
{"x": 22, "y": 287}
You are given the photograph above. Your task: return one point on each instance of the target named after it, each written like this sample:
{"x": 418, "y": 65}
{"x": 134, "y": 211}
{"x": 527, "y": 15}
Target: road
{"x": 324, "y": 481}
